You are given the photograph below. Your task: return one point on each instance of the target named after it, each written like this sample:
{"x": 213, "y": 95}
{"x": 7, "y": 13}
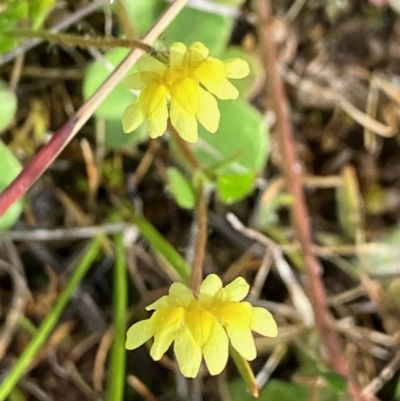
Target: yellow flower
{"x": 203, "y": 326}
{"x": 183, "y": 90}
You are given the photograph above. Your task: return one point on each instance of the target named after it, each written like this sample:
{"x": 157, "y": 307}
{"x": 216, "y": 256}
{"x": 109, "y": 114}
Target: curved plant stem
{"x": 329, "y": 338}
{"x": 64, "y": 135}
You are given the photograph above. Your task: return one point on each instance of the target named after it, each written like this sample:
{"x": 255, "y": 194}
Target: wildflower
{"x": 203, "y": 326}
{"x": 182, "y": 90}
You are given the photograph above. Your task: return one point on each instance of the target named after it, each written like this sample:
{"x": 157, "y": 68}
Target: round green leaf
{"x": 193, "y": 25}
{"x": 274, "y": 390}
{"x": 8, "y": 106}
{"x": 120, "y": 98}
{"x": 142, "y": 13}
{"x": 10, "y": 168}
{"x": 180, "y": 188}
{"x": 232, "y": 187}
{"x": 115, "y": 138}
{"x": 241, "y": 137}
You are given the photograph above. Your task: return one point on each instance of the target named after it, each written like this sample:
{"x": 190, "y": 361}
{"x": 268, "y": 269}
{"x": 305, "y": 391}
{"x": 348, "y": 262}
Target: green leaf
{"x": 38, "y": 11}
{"x": 232, "y": 187}
{"x": 193, "y": 25}
{"x": 274, "y": 390}
{"x": 120, "y": 98}
{"x": 142, "y": 13}
{"x": 245, "y": 85}
{"x": 349, "y": 202}
{"x": 267, "y": 213}
{"x": 180, "y": 189}
{"x": 115, "y": 138}
{"x": 8, "y": 106}
{"x": 242, "y": 132}
{"x": 384, "y": 260}
{"x": 10, "y": 168}
{"x": 336, "y": 382}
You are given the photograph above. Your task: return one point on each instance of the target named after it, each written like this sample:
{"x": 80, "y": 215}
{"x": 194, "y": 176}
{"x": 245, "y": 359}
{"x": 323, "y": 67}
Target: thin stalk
{"x": 201, "y": 240}
{"x": 65, "y": 23}
{"x": 42, "y": 333}
{"x": 64, "y": 135}
{"x": 329, "y": 338}
{"x": 118, "y": 353}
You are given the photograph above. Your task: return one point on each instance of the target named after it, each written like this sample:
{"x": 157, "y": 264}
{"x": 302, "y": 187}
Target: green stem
{"x": 245, "y": 371}
{"x": 117, "y": 362}
{"x": 20, "y": 366}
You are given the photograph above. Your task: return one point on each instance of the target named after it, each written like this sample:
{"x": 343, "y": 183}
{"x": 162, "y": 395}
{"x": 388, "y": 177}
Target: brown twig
{"x": 201, "y": 212}
{"x": 329, "y": 338}
{"x": 64, "y": 135}
{"x": 73, "y": 40}
{"x": 201, "y": 240}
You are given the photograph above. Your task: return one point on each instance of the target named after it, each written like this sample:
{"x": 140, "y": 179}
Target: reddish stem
{"x": 36, "y": 166}
{"x": 328, "y": 336}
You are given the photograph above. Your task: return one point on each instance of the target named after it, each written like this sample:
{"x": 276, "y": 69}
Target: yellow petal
{"x": 263, "y": 323}
{"x": 135, "y": 81}
{"x": 167, "y": 318}
{"x": 161, "y": 343}
{"x": 152, "y": 99}
{"x": 132, "y": 118}
{"x": 188, "y": 353}
{"x": 223, "y": 89}
{"x": 157, "y": 124}
{"x": 160, "y": 303}
{"x": 138, "y": 334}
{"x": 236, "y": 68}
{"x": 180, "y": 295}
{"x": 200, "y": 324}
{"x": 237, "y": 290}
{"x": 185, "y": 92}
{"x": 236, "y": 318}
{"x": 150, "y": 64}
{"x": 242, "y": 341}
{"x": 177, "y": 54}
{"x": 210, "y": 285}
{"x": 208, "y": 113}
{"x": 197, "y": 52}
{"x": 215, "y": 351}
{"x": 165, "y": 324}
{"x": 184, "y": 123}
{"x": 153, "y": 102}
{"x": 209, "y": 70}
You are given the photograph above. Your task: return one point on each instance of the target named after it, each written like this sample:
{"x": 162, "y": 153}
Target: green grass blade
{"x": 19, "y": 368}
{"x": 118, "y": 352}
